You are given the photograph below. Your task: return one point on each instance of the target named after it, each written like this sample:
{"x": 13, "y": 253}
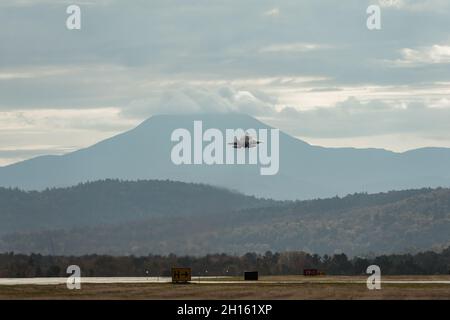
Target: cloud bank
{"x": 309, "y": 67}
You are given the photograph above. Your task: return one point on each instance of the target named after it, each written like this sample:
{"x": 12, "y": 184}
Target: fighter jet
{"x": 245, "y": 141}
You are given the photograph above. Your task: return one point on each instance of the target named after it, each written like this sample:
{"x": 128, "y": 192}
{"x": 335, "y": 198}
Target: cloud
{"x": 353, "y": 118}
{"x": 27, "y": 3}
{"x": 274, "y": 12}
{"x": 325, "y": 89}
{"x": 352, "y": 122}
{"x": 28, "y": 133}
{"x": 293, "y": 47}
{"x": 198, "y": 100}
{"x": 170, "y": 38}
{"x": 416, "y": 5}
{"x": 443, "y": 103}
{"x": 32, "y": 73}
{"x": 436, "y": 54}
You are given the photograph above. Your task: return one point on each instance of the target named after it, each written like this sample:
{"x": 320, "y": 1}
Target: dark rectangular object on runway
{"x": 251, "y": 275}
{"x": 311, "y": 272}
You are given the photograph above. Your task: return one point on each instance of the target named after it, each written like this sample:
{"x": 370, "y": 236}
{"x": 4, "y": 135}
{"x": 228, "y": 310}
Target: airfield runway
{"x": 206, "y": 288}
{"x": 227, "y": 280}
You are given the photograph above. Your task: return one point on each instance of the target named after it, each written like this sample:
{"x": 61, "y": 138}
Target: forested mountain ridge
{"x": 160, "y": 217}
{"x": 113, "y": 201}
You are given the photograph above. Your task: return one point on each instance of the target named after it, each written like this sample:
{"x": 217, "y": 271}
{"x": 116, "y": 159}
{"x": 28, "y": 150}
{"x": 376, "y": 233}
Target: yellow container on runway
{"x": 181, "y": 275}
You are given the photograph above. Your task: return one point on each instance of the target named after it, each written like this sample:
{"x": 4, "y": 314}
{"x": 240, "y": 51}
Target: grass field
{"x": 290, "y": 287}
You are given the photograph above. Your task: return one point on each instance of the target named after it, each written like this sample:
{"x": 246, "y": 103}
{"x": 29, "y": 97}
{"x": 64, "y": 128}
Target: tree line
{"x": 269, "y": 263}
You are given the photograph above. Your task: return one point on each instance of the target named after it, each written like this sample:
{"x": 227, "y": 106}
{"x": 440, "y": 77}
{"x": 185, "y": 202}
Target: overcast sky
{"x": 310, "y": 68}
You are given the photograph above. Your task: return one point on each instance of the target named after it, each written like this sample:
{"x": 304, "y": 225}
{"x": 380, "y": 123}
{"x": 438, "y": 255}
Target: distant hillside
{"x": 113, "y": 201}
{"x": 160, "y": 217}
{"x": 305, "y": 171}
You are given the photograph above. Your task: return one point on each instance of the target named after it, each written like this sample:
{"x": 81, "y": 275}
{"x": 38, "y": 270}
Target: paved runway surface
{"x": 103, "y": 280}
{"x": 202, "y": 280}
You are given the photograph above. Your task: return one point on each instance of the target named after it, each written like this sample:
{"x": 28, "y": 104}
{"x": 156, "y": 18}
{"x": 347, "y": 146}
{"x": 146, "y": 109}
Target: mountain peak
{"x": 305, "y": 171}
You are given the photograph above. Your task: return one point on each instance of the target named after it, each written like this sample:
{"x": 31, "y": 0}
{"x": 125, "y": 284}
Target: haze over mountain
{"x": 305, "y": 171}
